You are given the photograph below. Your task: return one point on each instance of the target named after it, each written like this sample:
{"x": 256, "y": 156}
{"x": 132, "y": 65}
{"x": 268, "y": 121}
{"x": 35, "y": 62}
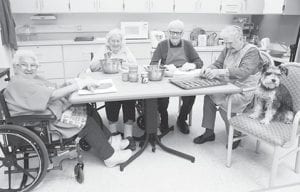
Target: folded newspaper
{"x": 99, "y": 86}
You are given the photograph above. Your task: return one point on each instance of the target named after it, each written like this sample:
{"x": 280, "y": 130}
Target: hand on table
{"x": 188, "y": 67}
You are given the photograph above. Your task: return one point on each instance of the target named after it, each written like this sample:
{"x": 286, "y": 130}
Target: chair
{"x": 27, "y": 149}
{"x": 277, "y": 134}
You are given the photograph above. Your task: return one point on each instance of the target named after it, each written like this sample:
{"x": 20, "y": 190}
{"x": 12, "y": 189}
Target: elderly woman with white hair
{"x": 240, "y": 63}
{"x": 116, "y": 48}
{"x": 28, "y": 93}
{"x": 176, "y": 52}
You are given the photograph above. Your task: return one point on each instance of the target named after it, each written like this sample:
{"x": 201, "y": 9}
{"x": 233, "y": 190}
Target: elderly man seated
{"x": 179, "y": 53}
{"x": 240, "y": 63}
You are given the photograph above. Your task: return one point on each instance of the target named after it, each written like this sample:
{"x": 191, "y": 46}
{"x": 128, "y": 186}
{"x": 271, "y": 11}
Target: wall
{"x": 279, "y": 28}
{"x": 106, "y": 21}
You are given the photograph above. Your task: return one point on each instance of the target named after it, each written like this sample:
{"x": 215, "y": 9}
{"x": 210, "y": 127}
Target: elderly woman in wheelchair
{"x": 38, "y": 105}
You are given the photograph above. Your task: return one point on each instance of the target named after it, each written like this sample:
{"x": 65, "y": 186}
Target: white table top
{"x": 153, "y": 89}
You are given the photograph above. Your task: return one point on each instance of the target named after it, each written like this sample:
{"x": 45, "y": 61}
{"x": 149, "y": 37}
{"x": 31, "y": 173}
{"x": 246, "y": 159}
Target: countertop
{"x": 72, "y": 42}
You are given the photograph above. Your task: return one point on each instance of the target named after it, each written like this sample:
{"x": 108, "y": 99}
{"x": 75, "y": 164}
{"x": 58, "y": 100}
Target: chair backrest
{"x": 4, "y": 105}
{"x": 292, "y": 83}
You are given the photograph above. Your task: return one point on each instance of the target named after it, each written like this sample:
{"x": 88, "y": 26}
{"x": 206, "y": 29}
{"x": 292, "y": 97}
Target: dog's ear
{"x": 265, "y": 68}
{"x": 283, "y": 70}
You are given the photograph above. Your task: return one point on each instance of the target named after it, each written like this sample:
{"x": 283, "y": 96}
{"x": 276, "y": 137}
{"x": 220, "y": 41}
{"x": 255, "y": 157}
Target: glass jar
{"x": 133, "y": 73}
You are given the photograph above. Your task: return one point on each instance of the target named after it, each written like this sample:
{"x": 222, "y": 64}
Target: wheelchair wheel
{"x": 78, "y": 171}
{"x": 23, "y": 159}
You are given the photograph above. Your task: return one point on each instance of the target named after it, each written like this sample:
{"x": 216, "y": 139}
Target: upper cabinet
{"x": 291, "y": 7}
{"x": 108, "y": 6}
{"x": 84, "y": 6}
{"x": 25, "y": 6}
{"x": 197, "y": 6}
{"x": 253, "y": 6}
{"x": 273, "y": 6}
{"x": 149, "y": 6}
{"x": 231, "y": 6}
{"x": 55, "y": 6}
{"x": 39, "y": 6}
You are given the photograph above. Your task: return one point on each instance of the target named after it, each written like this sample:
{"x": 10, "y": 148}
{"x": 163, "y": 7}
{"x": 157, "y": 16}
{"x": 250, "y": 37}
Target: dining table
{"x": 148, "y": 93}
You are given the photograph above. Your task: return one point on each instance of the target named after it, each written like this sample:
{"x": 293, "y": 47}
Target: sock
{"x": 208, "y": 132}
{"x": 113, "y": 127}
{"x": 127, "y": 130}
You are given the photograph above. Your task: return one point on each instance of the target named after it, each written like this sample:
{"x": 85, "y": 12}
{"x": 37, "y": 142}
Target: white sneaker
{"x": 118, "y": 143}
{"x": 118, "y": 157}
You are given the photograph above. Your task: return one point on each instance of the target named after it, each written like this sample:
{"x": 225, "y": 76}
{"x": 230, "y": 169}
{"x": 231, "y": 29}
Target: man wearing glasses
{"x": 180, "y": 53}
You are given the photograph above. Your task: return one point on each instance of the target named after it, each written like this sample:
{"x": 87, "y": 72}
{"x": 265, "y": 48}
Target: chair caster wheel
{"x": 84, "y": 145}
{"x": 193, "y": 160}
{"x": 78, "y": 171}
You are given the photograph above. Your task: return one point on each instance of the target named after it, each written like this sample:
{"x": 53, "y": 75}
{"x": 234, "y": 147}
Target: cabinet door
{"x": 231, "y": 6}
{"x": 206, "y": 58}
{"x": 55, "y": 6}
{"x": 292, "y": 7}
{"x": 74, "y": 68}
{"x": 211, "y": 6}
{"x": 86, "y": 6}
{"x": 81, "y": 52}
{"x": 46, "y": 53}
{"x": 51, "y": 70}
{"x": 108, "y": 6}
{"x": 253, "y": 6}
{"x": 273, "y": 6}
{"x": 25, "y": 6}
{"x": 136, "y": 5}
{"x": 165, "y": 6}
{"x": 187, "y": 6}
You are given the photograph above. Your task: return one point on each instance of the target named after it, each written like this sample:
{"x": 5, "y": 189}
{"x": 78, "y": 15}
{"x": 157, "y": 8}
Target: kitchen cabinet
{"x": 291, "y": 7}
{"x": 253, "y": 6}
{"x": 206, "y": 58}
{"x": 88, "y": 6}
{"x": 77, "y": 58}
{"x": 197, "y": 6}
{"x": 273, "y": 6}
{"x": 39, "y": 6}
{"x": 25, "y": 6}
{"x": 148, "y": 5}
{"x": 108, "y": 6}
{"x": 231, "y": 6}
{"x": 54, "y": 6}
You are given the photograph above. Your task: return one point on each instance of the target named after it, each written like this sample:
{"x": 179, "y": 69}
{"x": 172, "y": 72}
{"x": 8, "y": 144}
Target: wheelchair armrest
{"x": 247, "y": 89}
{"x": 31, "y": 119}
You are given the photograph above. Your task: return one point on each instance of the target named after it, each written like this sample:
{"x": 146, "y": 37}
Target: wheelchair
{"x": 28, "y": 149}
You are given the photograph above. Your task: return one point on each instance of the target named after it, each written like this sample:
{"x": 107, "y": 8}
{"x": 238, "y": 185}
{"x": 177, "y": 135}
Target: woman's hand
{"x": 188, "y": 67}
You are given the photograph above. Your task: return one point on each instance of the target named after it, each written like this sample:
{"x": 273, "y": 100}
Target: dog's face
{"x": 271, "y": 76}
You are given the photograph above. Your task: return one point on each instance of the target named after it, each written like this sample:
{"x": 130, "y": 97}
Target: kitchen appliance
{"x": 135, "y": 30}
{"x": 156, "y": 37}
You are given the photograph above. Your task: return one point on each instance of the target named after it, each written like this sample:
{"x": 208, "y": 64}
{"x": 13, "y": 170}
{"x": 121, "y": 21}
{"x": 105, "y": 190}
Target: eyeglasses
{"x": 28, "y": 65}
{"x": 178, "y": 33}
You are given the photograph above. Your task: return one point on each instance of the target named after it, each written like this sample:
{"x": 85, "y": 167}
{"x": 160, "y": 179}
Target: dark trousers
{"x": 97, "y": 135}
{"x": 163, "y": 103}
{"x": 209, "y": 115}
{"x": 112, "y": 110}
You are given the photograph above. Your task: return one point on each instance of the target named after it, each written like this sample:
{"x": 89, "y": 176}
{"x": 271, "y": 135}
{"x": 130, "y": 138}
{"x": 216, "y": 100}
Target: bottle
{"x": 202, "y": 40}
{"x": 133, "y": 73}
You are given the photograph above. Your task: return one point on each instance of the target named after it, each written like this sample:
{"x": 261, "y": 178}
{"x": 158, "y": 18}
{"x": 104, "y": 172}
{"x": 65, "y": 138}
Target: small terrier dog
{"x": 272, "y": 98}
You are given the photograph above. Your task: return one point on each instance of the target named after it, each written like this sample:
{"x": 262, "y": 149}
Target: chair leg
{"x": 297, "y": 163}
{"x": 229, "y": 146}
{"x": 274, "y": 166}
{"x": 257, "y": 146}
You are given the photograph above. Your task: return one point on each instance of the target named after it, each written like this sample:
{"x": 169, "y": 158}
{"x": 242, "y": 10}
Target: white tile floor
{"x": 161, "y": 171}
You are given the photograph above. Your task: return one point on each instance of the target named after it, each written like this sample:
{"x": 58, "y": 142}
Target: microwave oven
{"x": 135, "y": 30}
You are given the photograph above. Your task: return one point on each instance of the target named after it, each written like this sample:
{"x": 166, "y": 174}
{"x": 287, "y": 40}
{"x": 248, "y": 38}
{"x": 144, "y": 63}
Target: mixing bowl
{"x": 111, "y": 66}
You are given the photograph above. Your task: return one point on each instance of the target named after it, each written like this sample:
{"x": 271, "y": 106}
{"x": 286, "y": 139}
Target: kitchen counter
{"x": 210, "y": 48}
{"x": 72, "y": 42}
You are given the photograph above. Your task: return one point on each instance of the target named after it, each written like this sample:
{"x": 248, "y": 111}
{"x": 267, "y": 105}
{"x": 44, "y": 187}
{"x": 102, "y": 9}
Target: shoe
{"x": 118, "y": 143}
{"x": 202, "y": 138}
{"x": 118, "y": 157}
{"x": 183, "y": 127}
{"x": 132, "y": 144}
{"x": 235, "y": 144}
